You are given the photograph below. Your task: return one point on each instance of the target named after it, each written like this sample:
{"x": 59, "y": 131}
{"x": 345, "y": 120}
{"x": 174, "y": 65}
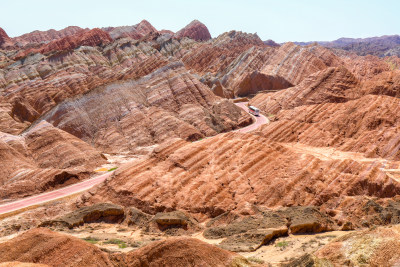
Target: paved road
{"x": 259, "y": 120}
{"x": 53, "y": 195}
{"x": 87, "y": 184}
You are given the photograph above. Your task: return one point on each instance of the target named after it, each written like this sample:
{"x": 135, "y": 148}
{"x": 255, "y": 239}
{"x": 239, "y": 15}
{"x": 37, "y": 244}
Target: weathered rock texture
{"x": 168, "y": 103}
{"x": 377, "y": 247}
{"x": 46, "y": 36}
{"x": 194, "y": 30}
{"x": 135, "y": 32}
{"x": 5, "y": 40}
{"x": 234, "y": 172}
{"x": 42, "y": 158}
{"x": 102, "y": 212}
{"x": 368, "y": 125}
{"x": 44, "y": 246}
{"x": 95, "y": 37}
{"x": 183, "y": 252}
{"x": 251, "y": 232}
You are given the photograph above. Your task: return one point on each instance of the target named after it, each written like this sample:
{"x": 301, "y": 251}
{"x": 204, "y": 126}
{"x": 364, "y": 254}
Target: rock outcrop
{"x": 44, "y": 246}
{"x": 165, "y": 104}
{"x": 366, "y": 125}
{"x": 235, "y": 172}
{"x": 251, "y": 232}
{"x": 5, "y": 40}
{"x": 183, "y": 252}
{"x": 43, "y": 158}
{"x": 102, "y": 212}
{"x": 374, "y": 247}
{"x": 194, "y": 30}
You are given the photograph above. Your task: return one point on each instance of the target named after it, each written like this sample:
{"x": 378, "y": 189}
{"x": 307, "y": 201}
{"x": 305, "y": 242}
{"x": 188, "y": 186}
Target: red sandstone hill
{"x": 46, "y": 247}
{"x": 46, "y": 36}
{"x": 194, "y": 30}
{"x": 94, "y": 37}
{"x": 127, "y": 95}
{"x": 5, "y": 40}
{"x": 43, "y": 158}
{"x": 135, "y": 32}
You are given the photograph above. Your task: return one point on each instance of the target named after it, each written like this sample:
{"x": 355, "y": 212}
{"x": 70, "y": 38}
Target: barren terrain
{"x": 177, "y": 172}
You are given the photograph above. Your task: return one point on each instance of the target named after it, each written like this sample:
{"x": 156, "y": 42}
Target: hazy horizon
{"x": 281, "y": 21}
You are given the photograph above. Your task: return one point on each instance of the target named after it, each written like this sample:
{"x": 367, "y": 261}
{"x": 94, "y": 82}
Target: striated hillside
{"x": 43, "y": 158}
{"x": 237, "y": 172}
{"x": 167, "y": 103}
{"x": 157, "y": 108}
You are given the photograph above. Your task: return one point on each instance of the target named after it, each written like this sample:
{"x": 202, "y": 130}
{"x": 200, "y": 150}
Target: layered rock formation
{"x": 95, "y": 37}
{"x": 184, "y": 252}
{"x": 43, "y": 158}
{"x": 235, "y": 172}
{"x": 47, "y": 247}
{"x": 377, "y": 247}
{"x": 194, "y": 30}
{"x": 136, "y": 32}
{"x": 330, "y": 85}
{"x": 46, "y": 36}
{"x": 168, "y": 103}
{"x": 5, "y": 40}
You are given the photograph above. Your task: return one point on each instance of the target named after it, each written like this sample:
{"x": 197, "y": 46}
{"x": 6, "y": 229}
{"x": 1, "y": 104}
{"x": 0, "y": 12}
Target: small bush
{"x": 282, "y": 244}
{"x": 91, "y": 240}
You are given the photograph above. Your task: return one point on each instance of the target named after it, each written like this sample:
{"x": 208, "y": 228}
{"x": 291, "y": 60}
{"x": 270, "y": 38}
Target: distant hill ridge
{"x": 387, "y": 45}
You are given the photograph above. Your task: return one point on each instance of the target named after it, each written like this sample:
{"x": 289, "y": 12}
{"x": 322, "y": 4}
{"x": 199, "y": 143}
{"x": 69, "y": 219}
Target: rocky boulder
{"x": 102, "y": 212}
{"x": 251, "y": 232}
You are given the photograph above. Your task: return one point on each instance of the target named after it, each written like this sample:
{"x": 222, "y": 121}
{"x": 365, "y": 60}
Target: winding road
{"x": 26, "y": 203}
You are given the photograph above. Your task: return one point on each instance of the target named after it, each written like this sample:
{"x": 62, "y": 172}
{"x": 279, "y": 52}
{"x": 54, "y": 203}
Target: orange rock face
{"x": 183, "y": 252}
{"x": 5, "y": 40}
{"x": 235, "y": 172}
{"x": 378, "y": 247}
{"x": 333, "y": 140}
{"x": 168, "y": 103}
{"x": 43, "y": 158}
{"x": 44, "y": 246}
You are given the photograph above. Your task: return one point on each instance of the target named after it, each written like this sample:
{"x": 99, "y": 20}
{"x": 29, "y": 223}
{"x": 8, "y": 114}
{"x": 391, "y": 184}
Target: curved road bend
{"x": 87, "y": 184}
{"x": 258, "y": 120}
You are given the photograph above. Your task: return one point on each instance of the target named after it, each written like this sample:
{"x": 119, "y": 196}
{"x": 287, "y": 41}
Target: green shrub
{"x": 120, "y": 243}
{"x": 282, "y": 244}
{"x": 91, "y": 240}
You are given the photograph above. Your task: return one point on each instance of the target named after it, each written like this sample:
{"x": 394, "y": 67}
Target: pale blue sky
{"x": 285, "y": 20}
